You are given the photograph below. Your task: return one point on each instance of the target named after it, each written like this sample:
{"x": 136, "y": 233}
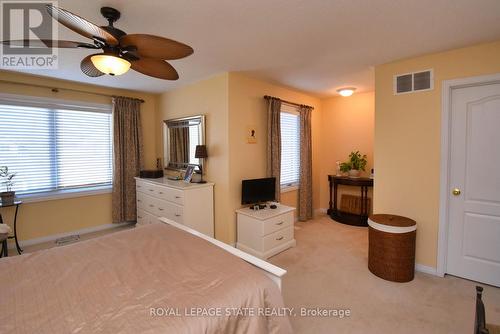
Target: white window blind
{"x": 51, "y": 149}
{"x": 290, "y": 146}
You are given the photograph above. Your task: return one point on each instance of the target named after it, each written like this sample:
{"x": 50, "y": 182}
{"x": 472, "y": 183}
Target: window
{"x": 53, "y": 147}
{"x": 290, "y": 146}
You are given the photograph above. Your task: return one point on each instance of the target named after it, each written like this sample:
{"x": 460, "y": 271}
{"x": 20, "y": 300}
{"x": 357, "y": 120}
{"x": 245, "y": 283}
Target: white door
{"x": 474, "y": 202}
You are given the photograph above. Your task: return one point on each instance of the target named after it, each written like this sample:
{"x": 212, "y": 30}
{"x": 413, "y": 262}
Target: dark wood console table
{"x": 347, "y": 217}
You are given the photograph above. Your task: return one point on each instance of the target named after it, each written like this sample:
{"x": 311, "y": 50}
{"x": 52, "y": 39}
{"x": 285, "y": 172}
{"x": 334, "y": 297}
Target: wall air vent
{"x": 413, "y": 82}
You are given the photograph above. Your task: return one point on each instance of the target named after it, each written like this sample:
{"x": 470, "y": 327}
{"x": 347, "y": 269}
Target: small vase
{"x": 354, "y": 173}
{"x": 7, "y": 197}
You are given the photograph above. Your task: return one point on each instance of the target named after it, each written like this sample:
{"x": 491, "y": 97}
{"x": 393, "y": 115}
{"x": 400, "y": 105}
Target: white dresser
{"x": 265, "y": 232}
{"x": 191, "y": 204}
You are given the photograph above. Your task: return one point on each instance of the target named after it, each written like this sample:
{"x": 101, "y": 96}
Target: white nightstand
{"x": 264, "y": 233}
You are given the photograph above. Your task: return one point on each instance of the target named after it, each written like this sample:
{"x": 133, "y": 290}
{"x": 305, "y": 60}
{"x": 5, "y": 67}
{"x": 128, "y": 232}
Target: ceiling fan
{"x": 120, "y": 51}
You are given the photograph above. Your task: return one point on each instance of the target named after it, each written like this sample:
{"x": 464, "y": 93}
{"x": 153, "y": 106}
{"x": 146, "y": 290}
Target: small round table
{"x": 16, "y": 203}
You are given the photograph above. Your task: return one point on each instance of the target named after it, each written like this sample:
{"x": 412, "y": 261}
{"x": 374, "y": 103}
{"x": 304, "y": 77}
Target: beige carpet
{"x": 328, "y": 268}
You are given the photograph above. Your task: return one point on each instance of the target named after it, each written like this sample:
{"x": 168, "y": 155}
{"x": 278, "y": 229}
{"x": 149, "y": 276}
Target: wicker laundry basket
{"x": 391, "y": 250}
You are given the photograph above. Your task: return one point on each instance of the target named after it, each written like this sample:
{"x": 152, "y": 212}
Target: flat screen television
{"x": 258, "y": 190}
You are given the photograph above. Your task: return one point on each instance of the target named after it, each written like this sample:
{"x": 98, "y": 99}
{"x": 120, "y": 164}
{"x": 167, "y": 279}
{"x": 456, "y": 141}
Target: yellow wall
{"x": 407, "y": 138}
{"x": 210, "y": 98}
{"x": 58, "y": 216}
{"x": 247, "y": 108}
{"x": 231, "y": 102}
{"x": 346, "y": 125}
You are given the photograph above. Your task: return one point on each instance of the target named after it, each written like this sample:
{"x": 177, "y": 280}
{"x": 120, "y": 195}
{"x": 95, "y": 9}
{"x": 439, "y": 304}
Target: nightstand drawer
{"x": 277, "y": 238}
{"x": 277, "y": 223}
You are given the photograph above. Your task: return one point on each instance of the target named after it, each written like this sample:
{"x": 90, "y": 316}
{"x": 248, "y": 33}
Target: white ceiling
{"x": 312, "y": 45}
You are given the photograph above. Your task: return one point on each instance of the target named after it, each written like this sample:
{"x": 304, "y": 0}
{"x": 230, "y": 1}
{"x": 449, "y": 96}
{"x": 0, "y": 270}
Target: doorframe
{"x": 447, "y": 88}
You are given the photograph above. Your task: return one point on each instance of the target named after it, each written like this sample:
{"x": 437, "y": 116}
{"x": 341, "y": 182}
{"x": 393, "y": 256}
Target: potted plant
{"x": 354, "y": 165}
{"x": 8, "y": 195}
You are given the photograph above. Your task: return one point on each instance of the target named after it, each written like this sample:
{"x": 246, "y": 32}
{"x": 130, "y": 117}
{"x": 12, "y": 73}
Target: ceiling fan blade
{"x": 81, "y": 26}
{"x": 155, "y": 68}
{"x": 88, "y": 67}
{"x": 150, "y": 46}
{"x": 48, "y": 43}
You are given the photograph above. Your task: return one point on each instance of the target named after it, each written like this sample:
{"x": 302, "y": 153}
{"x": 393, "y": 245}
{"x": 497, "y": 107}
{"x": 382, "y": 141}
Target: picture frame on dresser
{"x": 188, "y": 175}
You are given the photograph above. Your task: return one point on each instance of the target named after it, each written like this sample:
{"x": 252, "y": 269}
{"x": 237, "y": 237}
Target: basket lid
{"x": 393, "y": 220}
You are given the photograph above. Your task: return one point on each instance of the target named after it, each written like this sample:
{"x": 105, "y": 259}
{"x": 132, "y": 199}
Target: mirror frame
{"x": 166, "y": 141}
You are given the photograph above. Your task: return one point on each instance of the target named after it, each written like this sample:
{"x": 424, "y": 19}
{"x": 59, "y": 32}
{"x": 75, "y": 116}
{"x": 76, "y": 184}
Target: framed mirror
{"x": 180, "y": 137}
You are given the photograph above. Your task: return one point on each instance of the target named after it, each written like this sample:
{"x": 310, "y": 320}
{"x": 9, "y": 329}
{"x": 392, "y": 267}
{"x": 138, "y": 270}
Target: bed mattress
{"x": 151, "y": 279}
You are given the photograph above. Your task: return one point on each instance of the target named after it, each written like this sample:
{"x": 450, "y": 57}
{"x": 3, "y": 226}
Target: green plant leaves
{"x": 356, "y": 161}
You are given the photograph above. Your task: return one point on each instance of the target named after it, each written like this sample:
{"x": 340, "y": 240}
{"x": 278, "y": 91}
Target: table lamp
{"x": 201, "y": 153}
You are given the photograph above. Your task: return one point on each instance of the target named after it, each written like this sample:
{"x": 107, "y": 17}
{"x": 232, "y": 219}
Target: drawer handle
{"x": 280, "y": 238}
{"x": 161, "y": 192}
{"x": 151, "y": 190}
{"x": 160, "y": 209}
{"x": 151, "y": 206}
{"x": 140, "y": 217}
{"x": 139, "y": 200}
{"x": 280, "y": 223}
{"x": 177, "y": 215}
{"x": 177, "y": 197}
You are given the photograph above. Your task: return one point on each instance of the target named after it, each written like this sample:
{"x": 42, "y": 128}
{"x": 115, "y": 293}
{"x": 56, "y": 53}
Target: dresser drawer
{"x": 277, "y": 238}
{"x": 143, "y": 201}
{"x": 144, "y": 187}
{"x": 168, "y": 210}
{"x": 142, "y": 217}
{"x": 170, "y": 194}
{"x": 277, "y": 223}
{"x": 165, "y": 193}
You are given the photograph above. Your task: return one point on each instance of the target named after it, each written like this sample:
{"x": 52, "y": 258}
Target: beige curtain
{"x": 179, "y": 147}
{"x": 305, "y": 188}
{"x": 127, "y": 153}
{"x": 274, "y": 142}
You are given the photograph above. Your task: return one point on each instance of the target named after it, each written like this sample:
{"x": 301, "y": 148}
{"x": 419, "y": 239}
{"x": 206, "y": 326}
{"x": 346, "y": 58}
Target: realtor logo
{"x": 26, "y": 25}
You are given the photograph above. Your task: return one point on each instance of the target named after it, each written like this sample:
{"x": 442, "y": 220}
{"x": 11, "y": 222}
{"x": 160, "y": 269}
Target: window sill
{"x": 285, "y": 189}
{"x": 63, "y": 194}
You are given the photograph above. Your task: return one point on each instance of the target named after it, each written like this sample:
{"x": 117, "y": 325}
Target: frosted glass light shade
{"x": 109, "y": 64}
{"x": 347, "y": 91}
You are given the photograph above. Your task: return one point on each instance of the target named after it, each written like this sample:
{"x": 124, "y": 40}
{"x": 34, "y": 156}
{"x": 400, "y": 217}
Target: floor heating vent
{"x": 67, "y": 240}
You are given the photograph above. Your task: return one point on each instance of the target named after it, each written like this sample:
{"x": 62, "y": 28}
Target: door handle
{"x": 456, "y": 191}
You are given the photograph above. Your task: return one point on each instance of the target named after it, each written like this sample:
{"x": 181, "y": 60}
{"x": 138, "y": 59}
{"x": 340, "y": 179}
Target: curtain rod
{"x": 267, "y": 97}
{"x": 56, "y": 89}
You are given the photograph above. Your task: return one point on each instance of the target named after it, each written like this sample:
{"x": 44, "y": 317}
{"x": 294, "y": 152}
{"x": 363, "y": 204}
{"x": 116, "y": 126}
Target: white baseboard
{"x": 54, "y": 237}
{"x": 426, "y": 270}
{"x": 321, "y": 211}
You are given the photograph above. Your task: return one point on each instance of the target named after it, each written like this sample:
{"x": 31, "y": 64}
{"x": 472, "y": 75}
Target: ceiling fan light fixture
{"x": 110, "y": 64}
{"x": 346, "y": 91}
